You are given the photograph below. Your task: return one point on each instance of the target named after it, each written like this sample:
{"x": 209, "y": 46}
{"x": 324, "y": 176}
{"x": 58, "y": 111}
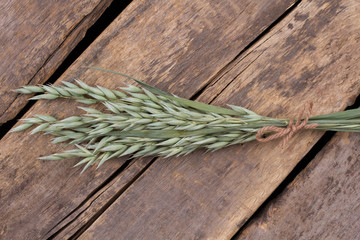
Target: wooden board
{"x": 198, "y": 41}
{"x": 35, "y": 37}
{"x": 312, "y": 54}
{"x": 323, "y": 202}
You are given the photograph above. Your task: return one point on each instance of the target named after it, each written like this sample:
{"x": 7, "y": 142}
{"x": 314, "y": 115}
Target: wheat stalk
{"x": 144, "y": 121}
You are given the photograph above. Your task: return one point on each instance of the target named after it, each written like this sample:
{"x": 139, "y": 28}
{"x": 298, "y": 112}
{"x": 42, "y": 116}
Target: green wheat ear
{"x": 145, "y": 121}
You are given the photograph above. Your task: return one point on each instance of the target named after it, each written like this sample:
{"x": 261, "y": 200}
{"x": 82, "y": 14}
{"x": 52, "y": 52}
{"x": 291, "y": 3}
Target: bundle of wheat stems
{"x": 144, "y": 121}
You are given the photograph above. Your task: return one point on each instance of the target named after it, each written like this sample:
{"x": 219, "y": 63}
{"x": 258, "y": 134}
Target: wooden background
{"x": 269, "y": 56}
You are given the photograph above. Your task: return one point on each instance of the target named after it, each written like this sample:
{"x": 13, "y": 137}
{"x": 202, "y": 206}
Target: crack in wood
{"x": 127, "y": 164}
{"x": 226, "y": 67}
{"x": 233, "y": 79}
{"x": 110, "y": 202}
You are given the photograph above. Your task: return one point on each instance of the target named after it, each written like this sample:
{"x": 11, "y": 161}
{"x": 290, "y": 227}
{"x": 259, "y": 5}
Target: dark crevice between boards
{"x": 108, "y": 16}
{"x": 83, "y": 228}
{"x": 298, "y": 168}
{"x": 252, "y": 43}
{"x": 93, "y": 193}
{"x": 304, "y": 162}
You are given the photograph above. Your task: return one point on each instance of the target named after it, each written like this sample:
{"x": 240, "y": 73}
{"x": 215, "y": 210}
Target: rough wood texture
{"x": 35, "y": 37}
{"x": 98, "y": 201}
{"x": 323, "y": 202}
{"x": 200, "y": 38}
{"x": 313, "y": 54}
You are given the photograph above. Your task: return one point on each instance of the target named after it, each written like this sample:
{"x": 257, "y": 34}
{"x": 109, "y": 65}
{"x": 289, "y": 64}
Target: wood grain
{"x": 312, "y": 54}
{"x": 35, "y": 37}
{"x": 323, "y": 202}
{"x": 98, "y": 201}
{"x": 198, "y": 39}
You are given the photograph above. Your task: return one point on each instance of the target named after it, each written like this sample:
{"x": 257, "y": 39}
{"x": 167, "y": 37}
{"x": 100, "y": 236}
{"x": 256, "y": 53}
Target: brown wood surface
{"x": 35, "y": 37}
{"x": 176, "y": 46}
{"x": 312, "y": 54}
{"x": 323, "y": 202}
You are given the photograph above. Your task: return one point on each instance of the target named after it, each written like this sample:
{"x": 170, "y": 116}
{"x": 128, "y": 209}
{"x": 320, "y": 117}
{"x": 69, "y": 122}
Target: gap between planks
{"x": 241, "y": 55}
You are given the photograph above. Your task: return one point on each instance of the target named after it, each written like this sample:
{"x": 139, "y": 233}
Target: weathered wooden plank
{"x": 313, "y": 54}
{"x": 35, "y": 37}
{"x": 323, "y": 202}
{"x": 198, "y": 39}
